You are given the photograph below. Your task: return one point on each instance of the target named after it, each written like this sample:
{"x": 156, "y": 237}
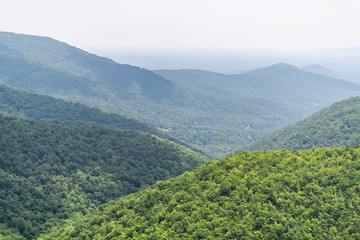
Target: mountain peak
{"x": 315, "y": 68}
{"x": 319, "y": 69}
{"x": 278, "y": 67}
{"x": 282, "y": 66}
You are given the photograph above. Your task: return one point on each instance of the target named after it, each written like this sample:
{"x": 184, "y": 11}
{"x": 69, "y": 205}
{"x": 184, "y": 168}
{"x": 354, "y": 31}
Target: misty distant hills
{"x": 213, "y": 112}
{"x": 216, "y": 123}
{"x": 294, "y": 87}
{"x": 211, "y": 81}
{"x": 319, "y": 69}
{"x": 341, "y": 60}
{"x": 281, "y": 83}
{"x": 335, "y": 126}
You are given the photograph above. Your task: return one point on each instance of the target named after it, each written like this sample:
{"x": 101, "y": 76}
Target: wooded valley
{"x": 94, "y": 149}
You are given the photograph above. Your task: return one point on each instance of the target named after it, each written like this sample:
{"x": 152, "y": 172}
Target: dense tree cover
{"x": 215, "y": 122}
{"x": 307, "y": 194}
{"x": 22, "y": 104}
{"x": 334, "y": 126}
{"x": 54, "y": 170}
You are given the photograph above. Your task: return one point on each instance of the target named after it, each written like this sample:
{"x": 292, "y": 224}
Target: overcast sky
{"x": 288, "y": 24}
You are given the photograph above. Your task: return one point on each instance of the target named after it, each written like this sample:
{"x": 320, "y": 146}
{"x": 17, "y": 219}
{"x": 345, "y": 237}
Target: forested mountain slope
{"x": 44, "y": 65}
{"x": 213, "y": 122}
{"x": 22, "y": 104}
{"x": 307, "y": 194}
{"x": 54, "y": 170}
{"x": 334, "y": 126}
{"x": 281, "y": 83}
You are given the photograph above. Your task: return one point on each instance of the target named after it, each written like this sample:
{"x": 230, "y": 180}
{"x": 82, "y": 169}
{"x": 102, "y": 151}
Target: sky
{"x": 243, "y": 24}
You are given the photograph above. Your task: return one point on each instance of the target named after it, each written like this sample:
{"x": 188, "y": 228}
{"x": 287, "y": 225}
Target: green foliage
{"x": 213, "y": 122}
{"x": 22, "y": 104}
{"x": 335, "y": 126}
{"x": 307, "y": 194}
{"x": 53, "y": 170}
{"x": 282, "y": 85}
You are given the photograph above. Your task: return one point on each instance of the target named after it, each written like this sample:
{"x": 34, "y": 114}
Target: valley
{"x": 95, "y": 149}
{"x": 217, "y": 114}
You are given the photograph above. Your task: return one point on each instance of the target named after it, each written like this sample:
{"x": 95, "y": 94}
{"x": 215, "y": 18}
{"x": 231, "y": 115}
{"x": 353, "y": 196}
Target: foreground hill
{"x": 53, "y": 170}
{"x": 308, "y": 194}
{"x": 281, "y": 83}
{"x": 216, "y": 123}
{"x": 334, "y": 126}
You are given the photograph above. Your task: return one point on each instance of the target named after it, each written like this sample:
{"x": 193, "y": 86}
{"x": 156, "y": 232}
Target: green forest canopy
{"x": 334, "y": 126}
{"x": 54, "y": 170}
{"x": 307, "y": 194}
{"x": 19, "y": 103}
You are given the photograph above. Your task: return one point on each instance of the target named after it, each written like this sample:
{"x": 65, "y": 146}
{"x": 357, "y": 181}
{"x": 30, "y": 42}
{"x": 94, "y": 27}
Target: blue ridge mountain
{"x": 215, "y": 123}
{"x": 281, "y": 83}
{"x": 319, "y": 69}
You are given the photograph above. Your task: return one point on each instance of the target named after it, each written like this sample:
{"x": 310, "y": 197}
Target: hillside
{"x": 335, "y": 126}
{"x": 18, "y": 103}
{"x": 54, "y": 170}
{"x": 215, "y": 123}
{"x": 308, "y": 194}
{"x": 282, "y": 84}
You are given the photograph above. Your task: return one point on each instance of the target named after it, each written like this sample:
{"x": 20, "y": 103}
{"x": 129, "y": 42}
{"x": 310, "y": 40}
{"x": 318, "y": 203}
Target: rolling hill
{"x": 335, "y": 126}
{"x": 54, "y": 170}
{"x": 18, "y": 103}
{"x": 307, "y": 194}
{"x": 282, "y": 84}
{"x": 215, "y": 123}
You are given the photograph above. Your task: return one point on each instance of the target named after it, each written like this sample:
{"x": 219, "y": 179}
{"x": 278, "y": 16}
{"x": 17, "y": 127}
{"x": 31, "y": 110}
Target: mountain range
{"x": 70, "y": 171}
{"x": 282, "y": 84}
{"x": 214, "y": 113}
{"x": 213, "y": 123}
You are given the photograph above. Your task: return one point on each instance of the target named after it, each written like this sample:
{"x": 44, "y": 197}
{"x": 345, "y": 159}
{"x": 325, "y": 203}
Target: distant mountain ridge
{"x": 280, "y": 83}
{"x": 335, "y": 126}
{"x": 215, "y": 123}
{"x": 66, "y": 62}
{"x": 319, "y": 69}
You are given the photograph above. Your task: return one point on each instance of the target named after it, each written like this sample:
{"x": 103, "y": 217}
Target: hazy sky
{"x": 188, "y": 23}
